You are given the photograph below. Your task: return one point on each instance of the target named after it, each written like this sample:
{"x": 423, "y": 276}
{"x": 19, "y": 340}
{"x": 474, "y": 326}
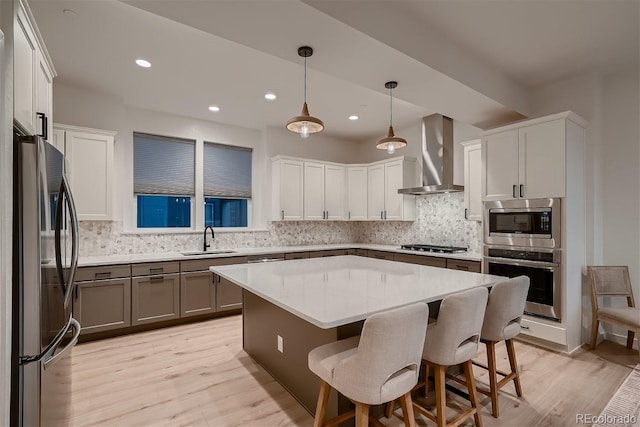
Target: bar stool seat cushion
{"x": 382, "y": 364}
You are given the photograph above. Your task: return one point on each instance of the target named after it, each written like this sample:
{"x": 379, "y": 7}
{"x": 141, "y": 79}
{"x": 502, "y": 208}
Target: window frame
{"x": 197, "y": 200}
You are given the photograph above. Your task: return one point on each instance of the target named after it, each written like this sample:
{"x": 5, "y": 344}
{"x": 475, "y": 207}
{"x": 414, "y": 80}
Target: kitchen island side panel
{"x": 263, "y": 321}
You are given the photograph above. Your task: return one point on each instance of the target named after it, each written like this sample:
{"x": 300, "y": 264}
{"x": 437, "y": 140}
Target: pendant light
{"x": 391, "y": 142}
{"x": 304, "y": 124}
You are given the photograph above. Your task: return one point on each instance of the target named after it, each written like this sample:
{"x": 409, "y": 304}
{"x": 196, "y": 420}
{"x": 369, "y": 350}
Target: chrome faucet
{"x": 213, "y": 236}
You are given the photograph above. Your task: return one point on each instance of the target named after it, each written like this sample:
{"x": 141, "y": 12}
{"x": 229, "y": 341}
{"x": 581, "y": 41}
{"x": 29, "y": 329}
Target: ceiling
{"x": 474, "y": 61}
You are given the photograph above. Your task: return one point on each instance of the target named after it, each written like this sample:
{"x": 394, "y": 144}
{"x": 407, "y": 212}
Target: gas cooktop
{"x": 434, "y": 248}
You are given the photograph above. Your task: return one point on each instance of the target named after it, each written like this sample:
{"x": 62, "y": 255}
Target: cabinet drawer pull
{"x": 158, "y": 270}
{"x": 513, "y": 191}
{"x": 521, "y": 190}
{"x": 462, "y": 267}
{"x": 103, "y": 275}
{"x": 282, "y": 214}
{"x": 156, "y": 278}
{"x": 466, "y": 213}
{"x": 381, "y": 214}
{"x": 526, "y": 328}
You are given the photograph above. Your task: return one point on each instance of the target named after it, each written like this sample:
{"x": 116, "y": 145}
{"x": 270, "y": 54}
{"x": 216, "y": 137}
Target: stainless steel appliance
{"x": 45, "y": 256}
{"x": 523, "y": 237}
{"x": 433, "y": 248}
{"x": 541, "y": 265}
{"x": 437, "y": 157}
{"x": 524, "y": 222}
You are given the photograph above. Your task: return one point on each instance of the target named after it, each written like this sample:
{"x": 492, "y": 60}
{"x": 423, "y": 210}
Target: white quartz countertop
{"x": 90, "y": 261}
{"x": 336, "y": 291}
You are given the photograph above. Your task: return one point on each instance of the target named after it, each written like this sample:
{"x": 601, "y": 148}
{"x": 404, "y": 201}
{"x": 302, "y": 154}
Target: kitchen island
{"x": 291, "y": 307}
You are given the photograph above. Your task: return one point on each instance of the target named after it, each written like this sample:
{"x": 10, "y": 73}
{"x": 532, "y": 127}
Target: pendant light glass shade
{"x": 391, "y": 142}
{"x": 304, "y": 124}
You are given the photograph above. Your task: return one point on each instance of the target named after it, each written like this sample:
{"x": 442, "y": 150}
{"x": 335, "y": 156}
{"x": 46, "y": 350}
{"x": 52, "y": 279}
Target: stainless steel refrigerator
{"x": 45, "y": 257}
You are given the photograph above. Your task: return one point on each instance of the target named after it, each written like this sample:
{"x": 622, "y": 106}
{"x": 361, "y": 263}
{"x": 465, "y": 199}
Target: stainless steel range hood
{"x": 437, "y": 157}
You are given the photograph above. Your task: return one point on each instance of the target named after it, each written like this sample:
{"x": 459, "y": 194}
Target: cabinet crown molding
{"x": 568, "y": 115}
{"x": 85, "y": 129}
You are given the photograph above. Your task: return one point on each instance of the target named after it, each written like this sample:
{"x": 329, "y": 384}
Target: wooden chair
{"x": 453, "y": 340}
{"x": 502, "y": 323}
{"x": 612, "y": 281}
{"x": 379, "y": 366}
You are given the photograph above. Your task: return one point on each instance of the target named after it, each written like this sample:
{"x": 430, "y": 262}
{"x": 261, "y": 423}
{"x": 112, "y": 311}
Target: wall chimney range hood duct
{"x": 437, "y": 157}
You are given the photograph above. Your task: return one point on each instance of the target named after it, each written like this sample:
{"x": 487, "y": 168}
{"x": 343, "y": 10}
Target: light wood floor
{"x": 198, "y": 375}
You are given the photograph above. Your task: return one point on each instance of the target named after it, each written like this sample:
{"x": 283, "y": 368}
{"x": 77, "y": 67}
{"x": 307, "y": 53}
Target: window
{"x": 227, "y": 185}
{"x": 163, "y": 183}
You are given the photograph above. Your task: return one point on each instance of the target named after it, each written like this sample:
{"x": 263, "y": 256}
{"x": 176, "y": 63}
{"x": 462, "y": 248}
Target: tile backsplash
{"x": 439, "y": 221}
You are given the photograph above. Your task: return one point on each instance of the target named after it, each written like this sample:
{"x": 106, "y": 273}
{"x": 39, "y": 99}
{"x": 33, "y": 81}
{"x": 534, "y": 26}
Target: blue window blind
{"x": 227, "y": 171}
{"x": 163, "y": 165}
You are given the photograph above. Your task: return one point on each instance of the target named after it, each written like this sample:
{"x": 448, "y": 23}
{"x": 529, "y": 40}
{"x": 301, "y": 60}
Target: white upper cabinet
{"x": 542, "y": 160}
{"x": 472, "y": 180}
{"x": 33, "y": 76}
{"x": 314, "y": 190}
{"x": 324, "y": 191}
{"x": 526, "y": 160}
{"x": 375, "y": 192}
{"x": 287, "y": 177}
{"x": 384, "y": 181}
{"x": 357, "y": 192}
{"x": 89, "y": 154}
{"x": 335, "y": 192}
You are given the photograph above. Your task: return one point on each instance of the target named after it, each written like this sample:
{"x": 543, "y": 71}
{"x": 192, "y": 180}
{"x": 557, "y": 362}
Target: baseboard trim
{"x": 620, "y": 339}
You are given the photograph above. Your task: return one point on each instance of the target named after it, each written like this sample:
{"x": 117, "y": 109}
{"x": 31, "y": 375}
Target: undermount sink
{"x": 192, "y": 253}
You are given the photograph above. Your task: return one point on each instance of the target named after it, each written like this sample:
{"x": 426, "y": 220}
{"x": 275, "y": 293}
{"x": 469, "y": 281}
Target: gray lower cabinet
{"x": 197, "y": 293}
{"x": 102, "y": 298}
{"x": 429, "y": 261}
{"x": 296, "y": 255}
{"x": 228, "y": 295}
{"x": 156, "y": 297}
{"x": 330, "y": 252}
{"x": 103, "y": 305}
{"x": 464, "y": 265}
{"x": 380, "y": 255}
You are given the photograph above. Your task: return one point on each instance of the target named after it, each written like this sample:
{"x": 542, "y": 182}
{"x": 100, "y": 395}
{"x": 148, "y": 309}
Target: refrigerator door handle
{"x": 68, "y": 286}
{"x": 51, "y": 348}
{"x": 50, "y": 356}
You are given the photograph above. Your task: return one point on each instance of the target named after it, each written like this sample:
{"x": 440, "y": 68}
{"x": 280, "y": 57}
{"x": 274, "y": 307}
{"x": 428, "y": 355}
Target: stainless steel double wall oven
{"x": 523, "y": 237}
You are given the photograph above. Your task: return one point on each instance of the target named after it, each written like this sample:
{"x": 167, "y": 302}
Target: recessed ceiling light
{"x": 143, "y": 63}
{"x": 214, "y": 108}
{"x": 354, "y": 117}
{"x": 270, "y": 96}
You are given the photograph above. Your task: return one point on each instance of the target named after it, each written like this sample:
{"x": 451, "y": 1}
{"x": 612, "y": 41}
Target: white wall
{"x": 621, "y": 173}
{"x": 6, "y": 203}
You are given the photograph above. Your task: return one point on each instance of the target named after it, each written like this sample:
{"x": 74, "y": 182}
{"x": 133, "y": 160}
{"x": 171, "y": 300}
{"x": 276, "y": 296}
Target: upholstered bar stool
{"x": 379, "y": 366}
{"x": 502, "y": 323}
{"x": 453, "y": 340}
